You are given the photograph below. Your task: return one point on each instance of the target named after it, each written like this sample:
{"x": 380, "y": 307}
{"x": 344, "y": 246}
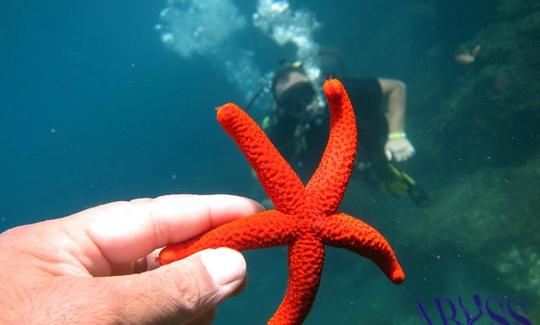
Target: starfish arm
{"x": 306, "y": 257}
{"x": 280, "y": 182}
{"x": 342, "y": 230}
{"x": 264, "y": 229}
{"x": 328, "y": 183}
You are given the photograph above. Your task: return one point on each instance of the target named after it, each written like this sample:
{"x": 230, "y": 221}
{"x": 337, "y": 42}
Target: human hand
{"x": 99, "y": 266}
{"x": 399, "y": 149}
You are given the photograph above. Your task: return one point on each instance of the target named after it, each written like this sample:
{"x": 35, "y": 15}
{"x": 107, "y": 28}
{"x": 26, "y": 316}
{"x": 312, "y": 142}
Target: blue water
{"x": 96, "y": 108}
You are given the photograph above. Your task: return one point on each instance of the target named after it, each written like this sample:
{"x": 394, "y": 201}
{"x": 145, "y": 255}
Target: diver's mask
{"x": 299, "y": 101}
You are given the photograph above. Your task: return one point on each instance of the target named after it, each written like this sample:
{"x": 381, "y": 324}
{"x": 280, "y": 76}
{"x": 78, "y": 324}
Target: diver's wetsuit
{"x": 367, "y": 98}
{"x": 303, "y": 150}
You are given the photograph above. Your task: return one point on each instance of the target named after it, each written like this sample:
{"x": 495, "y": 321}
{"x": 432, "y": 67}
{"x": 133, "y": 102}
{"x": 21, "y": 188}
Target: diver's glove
{"x": 398, "y": 147}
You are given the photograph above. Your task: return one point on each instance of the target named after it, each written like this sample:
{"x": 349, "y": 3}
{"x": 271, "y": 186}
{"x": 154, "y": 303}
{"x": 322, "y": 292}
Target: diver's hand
{"x": 98, "y": 266}
{"x": 398, "y": 149}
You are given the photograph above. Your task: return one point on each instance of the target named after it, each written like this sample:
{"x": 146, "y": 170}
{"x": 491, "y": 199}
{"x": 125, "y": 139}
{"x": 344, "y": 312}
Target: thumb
{"x": 388, "y": 153}
{"x": 184, "y": 290}
{"x": 388, "y": 150}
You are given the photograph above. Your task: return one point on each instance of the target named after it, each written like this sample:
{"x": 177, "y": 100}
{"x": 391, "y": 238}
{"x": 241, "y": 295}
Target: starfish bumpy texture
{"x": 305, "y": 218}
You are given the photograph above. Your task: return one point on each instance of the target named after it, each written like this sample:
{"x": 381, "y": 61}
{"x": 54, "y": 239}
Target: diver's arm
{"x": 397, "y": 146}
{"x": 395, "y": 92}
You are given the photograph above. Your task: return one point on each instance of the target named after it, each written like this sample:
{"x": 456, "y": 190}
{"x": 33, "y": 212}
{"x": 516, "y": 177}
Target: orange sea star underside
{"x": 305, "y": 218}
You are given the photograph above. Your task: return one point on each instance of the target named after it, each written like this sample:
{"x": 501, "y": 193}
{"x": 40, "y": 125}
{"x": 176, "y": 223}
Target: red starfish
{"x": 305, "y": 218}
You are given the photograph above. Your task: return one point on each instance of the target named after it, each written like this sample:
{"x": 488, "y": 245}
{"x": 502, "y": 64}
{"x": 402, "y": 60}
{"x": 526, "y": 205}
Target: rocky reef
{"x": 484, "y": 143}
{"x": 490, "y": 216}
{"x": 491, "y": 112}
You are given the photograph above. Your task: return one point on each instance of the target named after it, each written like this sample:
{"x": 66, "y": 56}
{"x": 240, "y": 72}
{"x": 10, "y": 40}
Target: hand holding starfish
{"x": 98, "y": 266}
{"x": 305, "y": 218}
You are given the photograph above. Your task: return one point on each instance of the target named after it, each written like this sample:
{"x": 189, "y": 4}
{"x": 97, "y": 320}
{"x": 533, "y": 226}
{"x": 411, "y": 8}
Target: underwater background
{"x": 114, "y": 100}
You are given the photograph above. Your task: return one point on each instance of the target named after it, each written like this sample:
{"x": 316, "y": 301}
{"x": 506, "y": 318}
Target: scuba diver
{"x": 298, "y": 126}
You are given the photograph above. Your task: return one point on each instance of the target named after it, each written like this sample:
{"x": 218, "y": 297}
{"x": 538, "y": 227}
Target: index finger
{"x": 126, "y": 231}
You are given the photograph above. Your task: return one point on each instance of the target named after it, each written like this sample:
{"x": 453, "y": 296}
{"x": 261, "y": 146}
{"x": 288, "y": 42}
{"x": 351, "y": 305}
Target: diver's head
{"x": 293, "y": 90}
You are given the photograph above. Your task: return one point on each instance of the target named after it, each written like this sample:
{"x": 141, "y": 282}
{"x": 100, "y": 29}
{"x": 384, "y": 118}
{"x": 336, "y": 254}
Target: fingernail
{"x": 224, "y": 265}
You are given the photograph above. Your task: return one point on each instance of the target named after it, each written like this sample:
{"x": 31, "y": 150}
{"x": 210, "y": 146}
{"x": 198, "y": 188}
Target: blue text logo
{"x": 505, "y": 311}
